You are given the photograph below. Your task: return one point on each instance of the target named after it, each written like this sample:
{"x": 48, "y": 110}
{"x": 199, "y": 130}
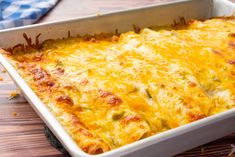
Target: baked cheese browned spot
{"x": 108, "y": 91}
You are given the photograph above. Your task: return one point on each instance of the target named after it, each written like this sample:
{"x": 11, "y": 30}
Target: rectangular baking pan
{"x": 163, "y": 144}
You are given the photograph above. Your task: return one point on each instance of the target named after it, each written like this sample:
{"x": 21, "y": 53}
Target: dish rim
{"x": 59, "y": 131}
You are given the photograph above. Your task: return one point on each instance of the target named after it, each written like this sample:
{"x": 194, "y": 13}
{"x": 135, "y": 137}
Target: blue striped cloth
{"x": 14, "y": 13}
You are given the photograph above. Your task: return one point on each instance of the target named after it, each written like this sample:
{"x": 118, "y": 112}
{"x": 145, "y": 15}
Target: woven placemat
{"x": 224, "y": 147}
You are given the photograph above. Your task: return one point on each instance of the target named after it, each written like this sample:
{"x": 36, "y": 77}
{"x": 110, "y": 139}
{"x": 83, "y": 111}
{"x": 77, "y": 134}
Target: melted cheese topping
{"x": 108, "y": 91}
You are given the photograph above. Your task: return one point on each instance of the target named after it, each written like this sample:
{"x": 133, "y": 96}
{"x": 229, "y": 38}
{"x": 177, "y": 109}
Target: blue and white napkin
{"x": 14, "y": 13}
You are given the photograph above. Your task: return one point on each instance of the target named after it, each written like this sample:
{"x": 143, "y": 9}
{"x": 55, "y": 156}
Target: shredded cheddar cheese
{"x": 13, "y": 95}
{"x": 14, "y": 114}
{"x": 111, "y": 90}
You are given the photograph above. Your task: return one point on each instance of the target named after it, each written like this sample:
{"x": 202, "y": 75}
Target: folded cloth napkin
{"x": 14, "y": 13}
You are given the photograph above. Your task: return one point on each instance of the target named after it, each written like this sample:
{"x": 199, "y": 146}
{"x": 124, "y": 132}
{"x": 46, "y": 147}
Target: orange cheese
{"x": 108, "y": 91}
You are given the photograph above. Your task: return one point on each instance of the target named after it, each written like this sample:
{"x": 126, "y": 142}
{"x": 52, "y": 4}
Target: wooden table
{"x": 21, "y": 130}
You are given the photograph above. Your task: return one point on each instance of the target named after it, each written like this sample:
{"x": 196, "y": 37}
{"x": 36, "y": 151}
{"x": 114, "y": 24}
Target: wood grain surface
{"x": 21, "y": 130}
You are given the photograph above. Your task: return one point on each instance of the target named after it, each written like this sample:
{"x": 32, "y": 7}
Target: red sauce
{"x": 231, "y": 44}
{"x": 131, "y": 118}
{"x": 60, "y": 71}
{"x": 231, "y": 62}
{"x": 39, "y": 73}
{"x": 196, "y": 116}
{"x": 114, "y": 101}
{"x": 104, "y": 94}
{"x": 65, "y": 99}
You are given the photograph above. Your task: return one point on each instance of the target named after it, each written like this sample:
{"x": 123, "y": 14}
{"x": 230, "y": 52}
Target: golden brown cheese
{"x": 108, "y": 91}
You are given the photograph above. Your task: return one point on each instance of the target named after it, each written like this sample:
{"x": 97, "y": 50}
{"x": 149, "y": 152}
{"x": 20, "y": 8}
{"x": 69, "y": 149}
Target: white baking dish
{"x": 161, "y": 145}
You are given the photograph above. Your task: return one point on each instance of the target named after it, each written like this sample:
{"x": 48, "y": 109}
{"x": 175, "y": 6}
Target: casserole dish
{"x": 165, "y": 140}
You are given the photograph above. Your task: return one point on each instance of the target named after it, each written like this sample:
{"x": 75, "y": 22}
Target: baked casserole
{"x": 109, "y": 90}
